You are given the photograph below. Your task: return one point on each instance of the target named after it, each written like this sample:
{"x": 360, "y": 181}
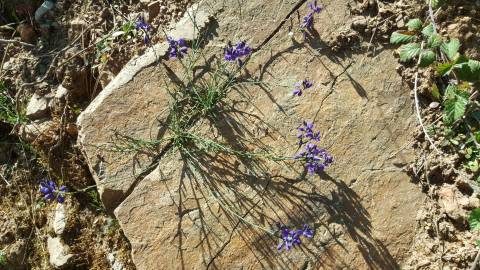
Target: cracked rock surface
{"x": 197, "y": 212}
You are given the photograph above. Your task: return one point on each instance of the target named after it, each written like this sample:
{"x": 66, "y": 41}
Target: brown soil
{"x": 63, "y": 54}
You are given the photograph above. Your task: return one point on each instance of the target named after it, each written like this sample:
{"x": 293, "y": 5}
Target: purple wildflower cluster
{"x": 290, "y": 238}
{"x": 233, "y": 54}
{"x": 308, "y": 20}
{"x": 301, "y": 86}
{"x": 50, "y": 191}
{"x": 145, "y": 28}
{"x": 177, "y": 48}
{"x": 306, "y": 132}
{"x": 316, "y": 158}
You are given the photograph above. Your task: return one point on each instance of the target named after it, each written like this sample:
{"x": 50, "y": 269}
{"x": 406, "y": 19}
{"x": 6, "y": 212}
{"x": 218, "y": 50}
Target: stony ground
{"x": 387, "y": 202}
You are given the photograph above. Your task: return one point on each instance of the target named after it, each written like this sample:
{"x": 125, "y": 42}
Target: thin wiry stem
{"x": 417, "y": 106}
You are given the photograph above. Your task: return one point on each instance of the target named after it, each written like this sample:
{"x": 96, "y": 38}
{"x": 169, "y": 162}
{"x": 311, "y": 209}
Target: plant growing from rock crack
{"x": 129, "y": 29}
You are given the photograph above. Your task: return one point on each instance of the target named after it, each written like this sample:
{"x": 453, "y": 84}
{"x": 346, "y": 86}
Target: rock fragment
{"x": 38, "y": 106}
{"x": 59, "y": 219}
{"x": 58, "y": 251}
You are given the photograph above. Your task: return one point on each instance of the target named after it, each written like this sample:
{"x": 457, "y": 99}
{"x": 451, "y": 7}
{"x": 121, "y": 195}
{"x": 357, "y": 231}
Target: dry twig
{"x": 9, "y": 41}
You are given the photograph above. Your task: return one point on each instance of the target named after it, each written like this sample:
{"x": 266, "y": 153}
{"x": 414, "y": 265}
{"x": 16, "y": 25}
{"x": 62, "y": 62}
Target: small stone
{"x": 38, "y": 106}
{"x": 450, "y": 203}
{"x": 59, "y": 252}
{"x": 474, "y": 202}
{"x": 61, "y": 92}
{"x": 33, "y": 130}
{"x": 359, "y": 23}
{"x": 71, "y": 129}
{"x": 60, "y": 219}
{"x": 27, "y": 33}
{"x": 434, "y": 105}
{"x": 114, "y": 263}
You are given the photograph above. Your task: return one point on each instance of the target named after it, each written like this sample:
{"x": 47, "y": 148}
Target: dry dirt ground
{"x": 386, "y": 203}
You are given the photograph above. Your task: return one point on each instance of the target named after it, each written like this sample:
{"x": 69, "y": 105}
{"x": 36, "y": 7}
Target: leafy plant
{"x": 418, "y": 41}
{"x": 8, "y": 112}
{"x": 3, "y": 259}
{"x": 456, "y": 83}
{"x": 474, "y": 219}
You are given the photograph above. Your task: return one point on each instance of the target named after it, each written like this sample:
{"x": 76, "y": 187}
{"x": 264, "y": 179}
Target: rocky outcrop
{"x": 221, "y": 211}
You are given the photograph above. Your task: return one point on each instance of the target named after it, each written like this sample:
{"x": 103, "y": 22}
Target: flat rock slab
{"x": 130, "y": 107}
{"x": 217, "y": 211}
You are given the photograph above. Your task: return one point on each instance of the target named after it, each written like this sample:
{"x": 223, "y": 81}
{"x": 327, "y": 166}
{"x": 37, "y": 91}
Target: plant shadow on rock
{"x": 251, "y": 194}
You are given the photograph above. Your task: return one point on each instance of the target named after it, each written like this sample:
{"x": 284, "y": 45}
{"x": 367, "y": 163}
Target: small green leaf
{"x": 409, "y": 51}
{"x": 474, "y": 219}
{"x": 428, "y": 30}
{"x": 455, "y": 108}
{"x": 401, "y": 37}
{"x": 445, "y": 68}
{"x": 468, "y": 71}
{"x": 451, "y": 48}
{"x": 435, "y": 3}
{"x": 435, "y": 92}
{"x": 450, "y": 91}
{"x": 414, "y": 24}
{"x": 473, "y": 165}
{"x": 426, "y": 58}
{"x": 434, "y": 41}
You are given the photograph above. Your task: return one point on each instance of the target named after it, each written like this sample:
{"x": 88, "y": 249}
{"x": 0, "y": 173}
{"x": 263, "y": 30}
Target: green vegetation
{"x": 3, "y": 259}
{"x": 8, "y": 111}
{"x": 455, "y": 85}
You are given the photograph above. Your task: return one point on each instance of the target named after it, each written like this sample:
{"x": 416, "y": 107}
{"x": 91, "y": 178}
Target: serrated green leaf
{"x": 445, "y": 68}
{"x": 474, "y": 65}
{"x": 451, "y": 48}
{"x": 428, "y": 30}
{"x": 474, "y": 219}
{"x": 455, "y": 104}
{"x": 400, "y": 38}
{"x": 414, "y": 24}
{"x": 468, "y": 71}
{"x": 409, "y": 51}
{"x": 434, "y": 41}
{"x": 427, "y": 57}
{"x": 451, "y": 91}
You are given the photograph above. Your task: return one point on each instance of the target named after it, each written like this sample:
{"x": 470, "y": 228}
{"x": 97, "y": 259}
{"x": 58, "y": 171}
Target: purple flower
{"x": 50, "y": 191}
{"x": 144, "y": 27}
{"x": 300, "y": 86}
{"x": 308, "y": 20}
{"x": 177, "y": 49}
{"x": 306, "y": 132}
{"x": 291, "y": 238}
{"x": 233, "y": 54}
{"x": 140, "y": 24}
{"x": 316, "y": 159}
{"x": 314, "y": 7}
